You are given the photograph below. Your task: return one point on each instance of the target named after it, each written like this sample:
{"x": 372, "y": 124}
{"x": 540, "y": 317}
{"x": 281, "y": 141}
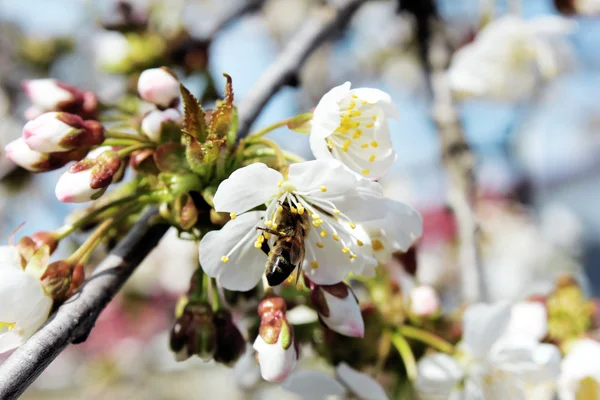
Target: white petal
{"x": 438, "y": 374}
{"x": 9, "y": 258}
{"x": 364, "y": 203}
{"x": 528, "y": 319}
{"x": 483, "y": 324}
{"x": 326, "y": 117}
{"x": 301, "y": 315}
{"x": 333, "y": 264}
{"x": 276, "y": 363}
{"x": 312, "y": 176}
{"x": 582, "y": 361}
{"x": 379, "y": 98}
{"x": 246, "y": 263}
{"x": 75, "y": 187}
{"x": 344, "y": 315}
{"x": 313, "y": 385}
{"x": 247, "y": 188}
{"x": 361, "y": 385}
{"x": 527, "y": 359}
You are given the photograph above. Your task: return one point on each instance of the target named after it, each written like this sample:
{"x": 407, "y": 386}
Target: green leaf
{"x": 171, "y": 157}
{"x": 194, "y": 123}
{"x": 221, "y": 118}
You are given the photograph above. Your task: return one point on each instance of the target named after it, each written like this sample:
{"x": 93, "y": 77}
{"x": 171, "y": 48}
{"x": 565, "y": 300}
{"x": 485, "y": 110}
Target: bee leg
{"x": 272, "y": 231}
{"x": 265, "y": 247}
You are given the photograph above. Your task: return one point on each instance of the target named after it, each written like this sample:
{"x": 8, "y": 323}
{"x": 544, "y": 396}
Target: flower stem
{"x": 122, "y": 135}
{"x": 119, "y": 142}
{"x": 274, "y": 126}
{"x": 408, "y": 358}
{"x": 266, "y": 152}
{"x": 128, "y": 150}
{"x": 426, "y": 337}
{"x": 216, "y": 298}
{"x": 280, "y": 156}
{"x": 90, "y": 244}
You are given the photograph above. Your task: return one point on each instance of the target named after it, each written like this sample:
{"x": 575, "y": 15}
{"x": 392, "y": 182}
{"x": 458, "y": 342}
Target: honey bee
{"x": 288, "y": 250}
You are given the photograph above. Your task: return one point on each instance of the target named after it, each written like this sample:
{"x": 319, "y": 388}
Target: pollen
{"x": 323, "y": 189}
{"x": 364, "y": 146}
{"x": 357, "y": 134}
{"x": 359, "y": 242}
{"x": 268, "y": 223}
{"x": 352, "y": 225}
{"x": 355, "y": 113}
{"x": 224, "y": 259}
{"x": 323, "y": 233}
{"x": 257, "y": 244}
{"x": 353, "y": 256}
{"x": 316, "y": 216}
{"x": 233, "y": 215}
{"x": 372, "y": 158}
{"x": 294, "y": 210}
{"x": 364, "y": 102}
{"x": 345, "y": 250}
{"x": 346, "y": 146}
{"x": 260, "y": 238}
{"x": 374, "y": 117}
{"x": 336, "y": 211}
{"x": 300, "y": 209}
{"x": 374, "y": 144}
{"x": 280, "y": 183}
{"x": 279, "y": 209}
{"x": 314, "y": 264}
{"x": 365, "y": 171}
{"x": 354, "y": 96}
{"x": 336, "y": 237}
{"x": 351, "y": 105}
{"x": 267, "y": 235}
{"x": 320, "y": 245}
{"x": 377, "y": 245}
{"x": 274, "y": 226}
{"x": 370, "y": 125}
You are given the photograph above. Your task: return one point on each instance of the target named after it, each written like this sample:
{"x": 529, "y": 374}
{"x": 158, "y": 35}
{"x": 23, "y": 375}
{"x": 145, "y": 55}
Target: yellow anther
{"x": 374, "y": 117}
{"x": 314, "y": 265}
{"x": 359, "y": 242}
{"x": 279, "y": 209}
{"x": 267, "y": 235}
{"x": 316, "y": 223}
{"x": 374, "y": 144}
{"x": 372, "y": 158}
{"x": 281, "y": 233}
{"x": 357, "y": 134}
{"x": 224, "y": 259}
{"x": 268, "y": 223}
{"x": 370, "y": 125}
{"x": 335, "y": 237}
{"x": 353, "y": 256}
{"x": 280, "y": 183}
{"x": 354, "y": 96}
{"x": 377, "y": 245}
{"x": 329, "y": 144}
{"x": 260, "y": 238}
{"x": 352, "y": 225}
{"x": 323, "y": 189}
{"x": 364, "y": 102}
{"x": 300, "y": 209}
{"x": 365, "y": 171}
{"x": 351, "y": 105}
{"x": 275, "y": 226}
{"x": 323, "y": 233}
{"x": 293, "y": 209}
{"x": 320, "y": 245}
{"x": 355, "y": 113}
{"x": 257, "y": 244}
{"x": 336, "y": 211}
{"x": 346, "y": 145}
{"x": 233, "y": 215}
{"x": 364, "y": 146}
{"x": 316, "y": 216}
{"x": 345, "y": 250}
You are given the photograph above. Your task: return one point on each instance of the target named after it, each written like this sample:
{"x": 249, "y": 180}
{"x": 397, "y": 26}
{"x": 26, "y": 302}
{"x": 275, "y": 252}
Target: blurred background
{"x": 537, "y": 159}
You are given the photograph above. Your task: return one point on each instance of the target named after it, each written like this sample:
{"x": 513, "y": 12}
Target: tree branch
{"x": 314, "y": 32}
{"x": 75, "y": 319}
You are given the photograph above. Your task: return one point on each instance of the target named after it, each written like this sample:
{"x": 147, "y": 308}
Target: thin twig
{"x": 75, "y": 319}
{"x": 313, "y": 33}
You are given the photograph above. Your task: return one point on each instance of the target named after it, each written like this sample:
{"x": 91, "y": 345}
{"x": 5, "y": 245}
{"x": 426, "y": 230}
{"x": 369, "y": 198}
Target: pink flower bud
{"x": 18, "y": 152}
{"x": 50, "y": 94}
{"x": 339, "y": 309}
{"x": 159, "y": 86}
{"x": 152, "y": 124}
{"x": 60, "y": 131}
{"x": 88, "y": 179}
{"x": 274, "y": 344}
{"x": 424, "y": 301}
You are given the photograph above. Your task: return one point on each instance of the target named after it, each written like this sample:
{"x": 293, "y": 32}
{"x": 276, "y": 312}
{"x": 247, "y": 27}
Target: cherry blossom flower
{"x": 339, "y": 309}
{"x": 492, "y": 365}
{"x": 351, "y": 126}
{"x": 507, "y": 56}
{"x": 326, "y": 191}
{"x": 24, "y": 305}
{"x": 580, "y": 375}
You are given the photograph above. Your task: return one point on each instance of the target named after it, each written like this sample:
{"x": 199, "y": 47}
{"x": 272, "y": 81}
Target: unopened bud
{"x": 45, "y": 238}
{"x": 159, "y": 86}
{"x": 56, "y": 279}
{"x": 230, "y": 342}
{"x": 60, "y": 131}
{"x": 424, "y": 301}
{"x": 88, "y": 179}
{"x": 339, "y": 309}
{"x": 194, "y": 333}
{"x": 18, "y": 152}
{"x": 189, "y": 214}
{"x": 155, "y": 121}
{"x": 274, "y": 344}
{"x": 51, "y": 95}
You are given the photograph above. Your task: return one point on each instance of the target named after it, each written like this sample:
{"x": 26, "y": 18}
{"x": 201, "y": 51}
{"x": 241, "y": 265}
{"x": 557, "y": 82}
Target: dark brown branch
{"x": 75, "y": 319}
{"x": 313, "y": 33}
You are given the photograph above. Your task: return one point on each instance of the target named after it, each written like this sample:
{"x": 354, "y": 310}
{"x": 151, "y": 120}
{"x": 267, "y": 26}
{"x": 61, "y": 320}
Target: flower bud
{"x": 424, "y": 301}
{"x": 194, "y": 333}
{"x": 230, "y": 342}
{"x": 60, "y": 131}
{"x": 88, "y": 179}
{"x": 56, "y": 279}
{"x": 50, "y": 94}
{"x": 338, "y": 308}
{"x": 18, "y": 152}
{"x": 153, "y": 123}
{"x": 274, "y": 344}
{"x": 159, "y": 86}
{"x": 45, "y": 238}
{"x": 32, "y": 112}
